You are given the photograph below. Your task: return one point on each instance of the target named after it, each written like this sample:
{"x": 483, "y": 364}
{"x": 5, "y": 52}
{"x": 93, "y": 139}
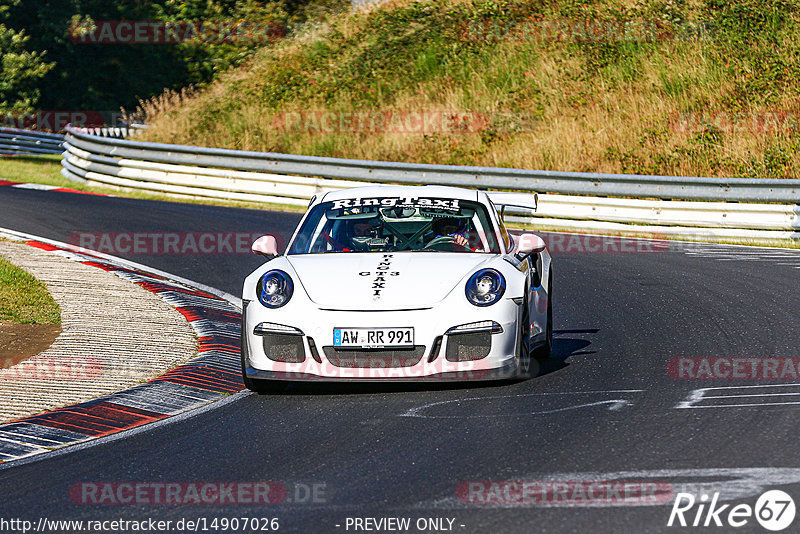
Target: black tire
{"x": 545, "y": 351}
{"x": 264, "y": 387}
{"x": 523, "y": 344}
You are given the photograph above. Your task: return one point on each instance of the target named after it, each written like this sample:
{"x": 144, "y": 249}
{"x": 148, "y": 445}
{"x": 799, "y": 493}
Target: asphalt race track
{"x": 605, "y": 408}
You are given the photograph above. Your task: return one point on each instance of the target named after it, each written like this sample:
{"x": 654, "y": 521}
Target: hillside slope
{"x": 708, "y": 88}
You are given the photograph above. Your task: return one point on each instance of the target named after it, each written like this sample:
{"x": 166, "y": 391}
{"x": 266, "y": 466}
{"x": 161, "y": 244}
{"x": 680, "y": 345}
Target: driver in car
{"x": 363, "y": 233}
{"x": 453, "y": 227}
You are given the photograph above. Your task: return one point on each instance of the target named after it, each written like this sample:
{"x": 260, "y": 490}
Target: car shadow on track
{"x": 563, "y": 348}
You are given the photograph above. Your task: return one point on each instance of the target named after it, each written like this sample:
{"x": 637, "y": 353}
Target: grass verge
{"x": 24, "y": 299}
{"x": 34, "y": 169}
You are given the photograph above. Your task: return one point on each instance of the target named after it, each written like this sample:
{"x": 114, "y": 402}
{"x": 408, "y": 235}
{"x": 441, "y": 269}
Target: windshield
{"x": 392, "y": 224}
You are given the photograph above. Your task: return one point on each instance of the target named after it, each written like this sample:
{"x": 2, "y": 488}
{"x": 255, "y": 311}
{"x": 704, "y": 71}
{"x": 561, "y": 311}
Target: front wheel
{"x": 263, "y": 387}
{"x": 260, "y": 386}
{"x": 523, "y": 344}
{"x": 545, "y": 351}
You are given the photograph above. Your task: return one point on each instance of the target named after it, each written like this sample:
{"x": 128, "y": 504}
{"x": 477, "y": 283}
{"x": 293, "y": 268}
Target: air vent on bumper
{"x": 472, "y": 341}
{"x": 281, "y": 343}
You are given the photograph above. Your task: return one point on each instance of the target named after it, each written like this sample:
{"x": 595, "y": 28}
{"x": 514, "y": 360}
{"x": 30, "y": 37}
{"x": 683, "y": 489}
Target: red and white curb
{"x": 213, "y": 375}
{"x": 43, "y": 187}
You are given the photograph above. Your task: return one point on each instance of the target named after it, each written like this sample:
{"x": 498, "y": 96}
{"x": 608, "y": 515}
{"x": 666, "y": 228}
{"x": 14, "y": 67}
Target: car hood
{"x": 378, "y": 281}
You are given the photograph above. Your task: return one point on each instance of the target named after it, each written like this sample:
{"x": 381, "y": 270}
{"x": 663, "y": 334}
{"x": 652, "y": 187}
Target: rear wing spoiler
{"x": 502, "y": 200}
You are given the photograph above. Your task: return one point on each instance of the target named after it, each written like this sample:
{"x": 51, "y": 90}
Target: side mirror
{"x": 529, "y": 244}
{"x": 266, "y": 246}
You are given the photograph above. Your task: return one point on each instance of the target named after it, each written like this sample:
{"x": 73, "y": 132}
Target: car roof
{"x": 433, "y": 191}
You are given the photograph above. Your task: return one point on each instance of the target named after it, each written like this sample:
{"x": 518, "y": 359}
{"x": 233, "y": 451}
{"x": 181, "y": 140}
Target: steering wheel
{"x": 448, "y": 241}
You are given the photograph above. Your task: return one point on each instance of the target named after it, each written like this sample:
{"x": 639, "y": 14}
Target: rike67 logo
{"x": 774, "y": 510}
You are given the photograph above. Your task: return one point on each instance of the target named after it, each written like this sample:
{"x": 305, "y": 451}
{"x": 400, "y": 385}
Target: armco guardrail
{"x": 292, "y": 179}
{"x": 20, "y": 142}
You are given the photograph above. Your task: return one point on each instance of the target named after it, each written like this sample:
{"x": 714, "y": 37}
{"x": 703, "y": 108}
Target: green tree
{"x": 99, "y": 77}
{"x": 21, "y": 69}
{"x": 105, "y": 77}
{"x": 20, "y": 72}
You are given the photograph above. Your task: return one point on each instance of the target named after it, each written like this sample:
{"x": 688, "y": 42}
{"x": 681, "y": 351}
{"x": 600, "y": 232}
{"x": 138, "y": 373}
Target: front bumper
{"x": 437, "y": 356}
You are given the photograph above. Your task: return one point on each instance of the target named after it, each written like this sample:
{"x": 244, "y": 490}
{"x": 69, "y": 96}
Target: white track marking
{"x": 697, "y": 396}
{"x": 614, "y": 404}
{"x": 40, "y": 187}
{"x": 753, "y": 395}
{"x": 729, "y": 253}
{"x": 748, "y": 405}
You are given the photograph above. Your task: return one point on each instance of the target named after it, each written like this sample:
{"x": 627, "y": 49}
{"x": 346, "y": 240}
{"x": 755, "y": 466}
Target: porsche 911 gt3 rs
{"x": 399, "y": 283}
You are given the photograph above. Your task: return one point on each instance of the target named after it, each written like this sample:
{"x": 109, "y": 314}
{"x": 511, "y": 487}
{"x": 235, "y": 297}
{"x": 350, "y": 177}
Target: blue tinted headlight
{"x": 274, "y": 289}
{"x": 485, "y": 287}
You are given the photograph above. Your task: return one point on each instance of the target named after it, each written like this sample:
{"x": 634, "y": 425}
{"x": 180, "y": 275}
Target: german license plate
{"x": 373, "y": 338}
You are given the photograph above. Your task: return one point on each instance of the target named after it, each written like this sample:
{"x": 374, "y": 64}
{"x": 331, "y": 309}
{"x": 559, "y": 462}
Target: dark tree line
{"x": 45, "y": 65}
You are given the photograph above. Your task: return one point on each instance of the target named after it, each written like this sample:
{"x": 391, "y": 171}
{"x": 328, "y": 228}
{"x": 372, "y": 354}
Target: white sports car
{"x": 399, "y": 283}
